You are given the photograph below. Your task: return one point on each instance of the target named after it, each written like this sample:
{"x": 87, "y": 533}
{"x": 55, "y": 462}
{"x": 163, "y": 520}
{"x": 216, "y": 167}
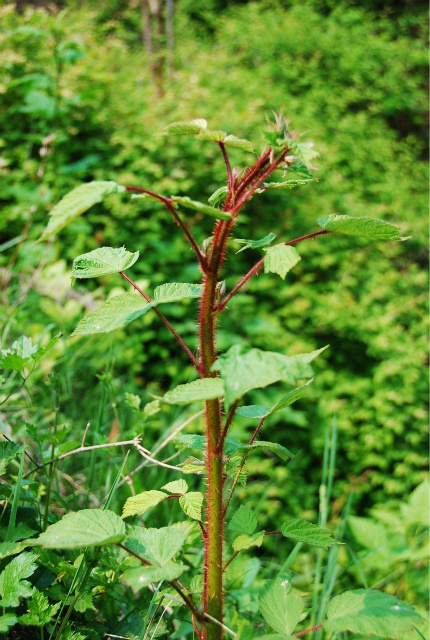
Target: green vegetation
{"x": 81, "y": 104}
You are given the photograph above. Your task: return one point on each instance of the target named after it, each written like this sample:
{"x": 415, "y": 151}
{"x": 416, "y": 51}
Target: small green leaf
{"x": 246, "y": 542}
{"x": 215, "y": 136}
{"x": 257, "y": 411}
{"x": 305, "y": 151}
{"x": 138, "y": 577}
{"x": 280, "y": 607}
{"x": 77, "y": 202}
{"x": 103, "y": 261}
{"x": 274, "y": 447}
{"x": 193, "y": 465}
{"x": 280, "y": 259}
{"x": 23, "y": 350}
{"x": 136, "y": 505}
{"x": 256, "y": 244}
{"x": 13, "y": 585}
{"x": 300, "y": 168}
{"x": 186, "y": 128}
{"x": 202, "y": 389}
{"x": 218, "y": 196}
{"x": 253, "y": 411}
{"x": 286, "y": 184}
{"x": 174, "y": 291}
{"x": 8, "y": 451}
{"x": 86, "y": 528}
{"x": 40, "y": 611}
{"x": 192, "y": 441}
{"x": 7, "y": 621}
{"x": 364, "y": 227}
{"x": 243, "y": 521}
{"x": 200, "y": 207}
{"x": 303, "y": 531}
{"x": 10, "y": 548}
{"x": 370, "y": 612}
{"x": 158, "y": 546}
{"x": 238, "y": 143}
{"x": 191, "y": 504}
{"x": 416, "y": 510}
{"x": 177, "y": 486}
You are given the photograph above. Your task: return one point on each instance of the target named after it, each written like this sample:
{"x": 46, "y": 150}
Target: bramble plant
{"x": 150, "y": 557}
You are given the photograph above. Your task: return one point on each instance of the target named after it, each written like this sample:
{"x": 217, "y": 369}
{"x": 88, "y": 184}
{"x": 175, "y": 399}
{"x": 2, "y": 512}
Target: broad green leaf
{"x": 274, "y": 447}
{"x": 202, "y": 389}
{"x": 238, "y": 143}
{"x": 177, "y": 486}
{"x": 192, "y": 441}
{"x": 215, "y": 136}
{"x": 218, "y": 196}
{"x": 245, "y": 541}
{"x": 185, "y": 201}
{"x": 364, "y": 227}
{"x": 191, "y": 504}
{"x": 103, "y": 261}
{"x": 136, "y": 505}
{"x": 243, "y": 521}
{"x": 42, "y": 350}
{"x": 23, "y": 350}
{"x": 193, "y": 465}
{"x": 77, "y": 202}
{"x": 186, "y": 128}
{"x": 416, "y": 510}
{"x": 13, "y": 585}
{"x": 303, "y": 531}
{"x": 367, "y": 532}
{"x": 280, "y": 259}
{"x": 255, "y": 244}
{"x": 86, "y": 528}
{"x": 7, "y": 621}
{"x": 371, "y": 612}
{"x": 243, "y": 369}
{"x": 158, "y": 546}
{"x": 280, "y": 607}
{"x": 10, "y": 548}
{"x": 8, "y": 451}
{"x": 257, "y": 411}
{"x": 138, "y": 577}
{"x": 40, "y": 611}
{"x": 123, "y": 309}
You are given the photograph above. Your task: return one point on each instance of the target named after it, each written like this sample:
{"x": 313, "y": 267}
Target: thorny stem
{"x": 259, "y": 265}
{"x": 230, "y": 181}
{"x": 165, "y": 322}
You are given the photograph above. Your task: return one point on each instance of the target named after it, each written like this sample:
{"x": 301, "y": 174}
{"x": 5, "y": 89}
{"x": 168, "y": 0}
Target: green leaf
{"x": 136, "y": 505}
{"x": 13, "y": 585}
{"x": 246, "y": 542}
{"x": 215, "y": 136}
{"x": 257, "y": 411}
{"x": 185, "y": 201}
{"x": 156, "y": 545}
{"x": 303, "y": 531}
{"x": 10, "y": 548}
{"x": 255, "y": 244}
{"x": 86, "y": 528}
{"x": 191, "y": 504}
{"x": 218, "y": 196}
{"x": 177, "y": 486}
{"x": 276, "y": 448}
{"x": 23, "y": 350}
{"x": 77, "y": 202}
{"x": 243, "y": 369}
{"x": 193, "y": 465}
{"x": 364, "y": 227}
{"x": 186, "y": 128}
{"x": 123, "y": 309}
{"x": 300, "y": 168}
{"x": 8, "y": 451}
{"x": 40, "y": 611}
{"x": 138, "y": 577}
{"x": 192, "y": 441}
{"x": 286, "y": 184}
{"x": 238, "y": 143}
{"x": 370, "y": 612}
{"x": 416, "y": 510}
{"x": 280, "y": 607}
{"x": 305, "y": 151}
{"x": 280, "y": 259}
{"x": 202, "y": 389}
{"x": 103, "y": 261}
{"x": 7, "y": 621}
{"x": 243, "y": 521}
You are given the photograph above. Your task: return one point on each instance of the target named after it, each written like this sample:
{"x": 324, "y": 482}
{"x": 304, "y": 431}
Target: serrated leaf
{"x": 186, "y": 128}
{"x": 280, "y": 259}
{"x": 177, "y": 486}
{"x": 286, "y": 184}
{"x": 367, "y": 532}
{"x": 371, "y": 612}
{"x": 202, "y": 389}
{"x": 243, "y": 521}
{"x": 136, "y": 505}
{"x": 191, "y": 504}
{"x": 7, "y": 621}
{"x": 13, "y": 585}
{"x": 255, "y": 244}
{"x": 280, "y": 607}
{"x": 186, "y": 202}
{"x": 259, "y": 412}
{"x": 238, "y": 143}
{"x": 245, "y": 541}
{"x": 86, "y": 528}
{"x": 218, "y": 196}
{"x": 10, "y": 548}
{"x": 103, "y": 261}
{"x": 138, "y": 577}
{"x": 231, "y": 446}
{"x": 303, "y": 531}
{"x": 158, "y": 546}
{"x": 363, "y": 227}
{"x": 193, "y": 466}
{"x": 40, "y": 611}
{"x": 299, "y": 167}
{"x": 8, "y": 451}
{"x": 274, "y": 447}
{"x": 123, "y": 309}
{"x": 243, "y": 369}
{"x": 77, "y": 202}
{"x": 215, "y": 136}
{"x": 23, "y": 350}
{"x": 416, "y": 510}
{"x": 305, "y": 151}
{"x": 192, "y": 441}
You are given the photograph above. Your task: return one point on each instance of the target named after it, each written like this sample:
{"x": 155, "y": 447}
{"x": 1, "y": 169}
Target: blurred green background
{"x": 81, "y": 98}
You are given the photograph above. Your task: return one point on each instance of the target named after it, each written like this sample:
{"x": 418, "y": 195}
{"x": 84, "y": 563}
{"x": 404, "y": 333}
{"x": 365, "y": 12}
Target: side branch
{"x": 230, "y": 181}
{"x": 165, "y": 322}
{"x": 256, "y": 268}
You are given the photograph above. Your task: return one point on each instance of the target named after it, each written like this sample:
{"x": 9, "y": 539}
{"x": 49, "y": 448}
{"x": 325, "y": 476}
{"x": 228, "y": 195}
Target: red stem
{"x": 256, "y": 432}
{"x": 228, "y": 422}
{"x": 165, "y": 322}
{"x": 258, "y": 266}
{"x": 303, "y": 633}
{"x": 230, "y": 180}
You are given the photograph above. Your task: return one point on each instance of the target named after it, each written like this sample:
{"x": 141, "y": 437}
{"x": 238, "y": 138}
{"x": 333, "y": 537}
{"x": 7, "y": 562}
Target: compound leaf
{"x": 40, "y": 611}
{"x": 280, "y": 259}
{"x": 86, "y": 528}
{"x": 23, "y": 350}
{"x": 8, "y": 451}
{"x": 191, "y": 504}
{"x": 136, "y": 505}
{"x": 303, "y": 531}
{"x": 202, "y": 389}
{"x": 364, "y": 227}
{"x": 243, "y": 521}
{"x": 103, "y": 261}
{"x": 158, "y": 546}
{"x": 280, "y": 607}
